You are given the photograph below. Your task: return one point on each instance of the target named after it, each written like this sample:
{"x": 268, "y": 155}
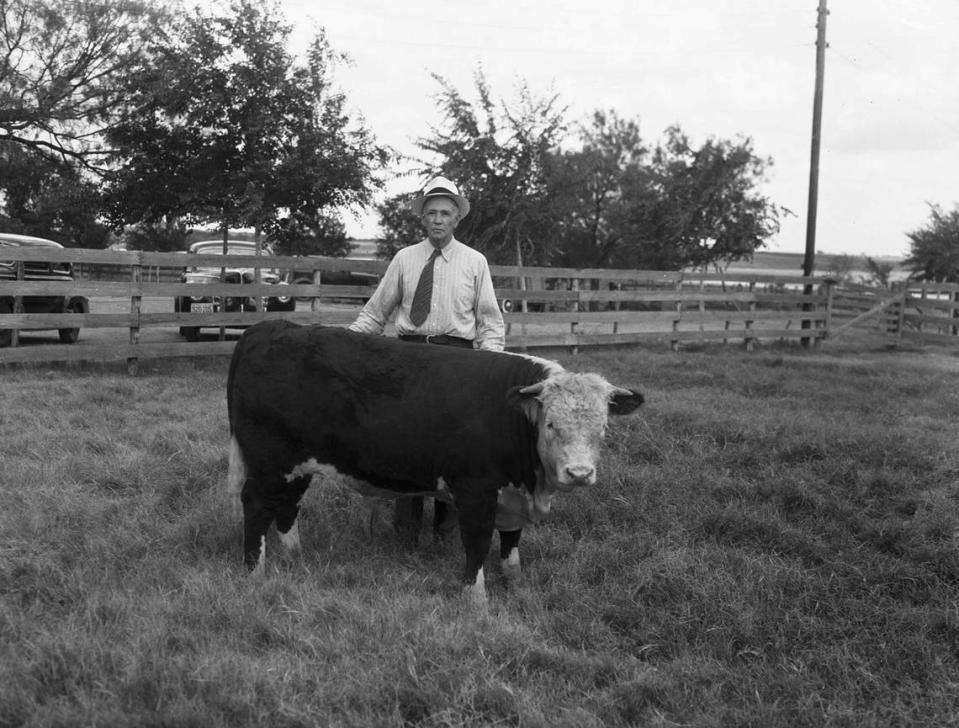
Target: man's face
{"x": 440, "y": 215}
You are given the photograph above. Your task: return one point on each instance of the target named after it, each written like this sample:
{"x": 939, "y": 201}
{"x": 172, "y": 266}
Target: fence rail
{"x": 131, "y": 313}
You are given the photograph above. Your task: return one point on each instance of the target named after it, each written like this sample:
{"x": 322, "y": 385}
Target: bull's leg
{"x": 287, "y": 512}
{"x": 408, "y": 518}
{"x": 509, "y": 554}
{"x": 476, "y": 509}
{"x": 258, "y": 514}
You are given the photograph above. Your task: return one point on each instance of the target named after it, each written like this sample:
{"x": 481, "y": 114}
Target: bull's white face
{"x": 570, "y": 411}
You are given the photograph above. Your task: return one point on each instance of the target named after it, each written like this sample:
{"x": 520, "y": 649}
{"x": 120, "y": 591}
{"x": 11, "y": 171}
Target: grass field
{"x": 773, "y": 543}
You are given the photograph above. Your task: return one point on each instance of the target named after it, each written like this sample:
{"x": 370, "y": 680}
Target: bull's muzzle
{"x": 580, "y": 475}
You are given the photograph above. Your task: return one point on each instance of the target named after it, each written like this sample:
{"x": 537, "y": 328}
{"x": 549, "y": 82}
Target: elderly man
{"x": 440, "y": 289}
{"x": 442, "y": 293}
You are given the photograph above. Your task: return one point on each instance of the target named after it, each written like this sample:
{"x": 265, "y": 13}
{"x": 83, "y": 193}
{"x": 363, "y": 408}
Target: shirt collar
{"x": 447, "y": 250}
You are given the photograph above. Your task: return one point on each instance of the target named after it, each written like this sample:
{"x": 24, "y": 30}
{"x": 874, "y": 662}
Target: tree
{"x": 878, "y": 273}
{"x": 48, "y": 198}
{"x": 934, "y": 248}
{"x": 401, "y": 227}
{"x": 609, "y": 201}
{"x": 496, "y": 153}
{"x": 696, "y": 207}
{"x": 310, "y": 234}
{"x": 839, "y": 267}
{"x": 227, "y": 128}
{"x": 585, "y": 189}
{"x": 60, "y": 71}
{"x": 166, "y": 235}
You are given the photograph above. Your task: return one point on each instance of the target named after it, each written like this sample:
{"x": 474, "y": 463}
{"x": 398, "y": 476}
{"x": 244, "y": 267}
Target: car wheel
{"x": 6, "y": 335}
{"x": 70, "y": 336}
{"x": 304, "y": 282}
{"x": 190, "y": 333}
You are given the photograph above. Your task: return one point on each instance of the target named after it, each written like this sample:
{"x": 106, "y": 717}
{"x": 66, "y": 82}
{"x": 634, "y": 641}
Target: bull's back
{"x": 374, "y": 405}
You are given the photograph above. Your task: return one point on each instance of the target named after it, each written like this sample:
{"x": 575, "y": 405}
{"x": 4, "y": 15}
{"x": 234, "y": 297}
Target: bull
{"x": 496, "y": 434}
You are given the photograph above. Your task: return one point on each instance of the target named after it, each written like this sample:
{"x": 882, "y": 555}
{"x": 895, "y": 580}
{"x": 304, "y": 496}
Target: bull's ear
{"x": 524, "y": 399}
{"x": 623, "y": 401}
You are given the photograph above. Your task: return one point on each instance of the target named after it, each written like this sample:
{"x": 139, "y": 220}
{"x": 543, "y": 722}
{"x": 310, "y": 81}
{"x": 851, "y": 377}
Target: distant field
{"x": 774, "y": 542}
{"x": 786, "y": 264}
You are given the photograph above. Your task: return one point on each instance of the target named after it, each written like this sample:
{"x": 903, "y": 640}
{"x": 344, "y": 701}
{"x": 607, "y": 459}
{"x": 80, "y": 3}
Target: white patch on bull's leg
{"x": 235, "y": 477}
{"x": 542, "y": 502}
{"x": 511, "y": 565}
{"x": 290, "y": 539}
{"x": 260, "y": 569}
{"x": 475, "y": 593}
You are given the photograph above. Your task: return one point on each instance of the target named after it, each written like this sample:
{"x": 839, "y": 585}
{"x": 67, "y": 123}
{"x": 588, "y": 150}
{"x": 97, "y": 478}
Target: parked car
{"x": 367, "y": 282}
{"x": 37, "y": 271}
{"x": 201, "y": 302}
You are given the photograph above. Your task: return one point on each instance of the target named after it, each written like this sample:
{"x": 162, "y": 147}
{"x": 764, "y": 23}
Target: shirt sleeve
{"x": 376, "y": 313}
{"x": 490, "y": 331}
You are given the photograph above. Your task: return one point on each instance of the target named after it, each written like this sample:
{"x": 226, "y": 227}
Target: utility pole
{"x": 810, "y": 257}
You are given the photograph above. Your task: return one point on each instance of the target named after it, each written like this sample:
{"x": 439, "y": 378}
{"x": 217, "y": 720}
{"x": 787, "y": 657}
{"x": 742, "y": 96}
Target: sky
{"x": 717, "y": 68}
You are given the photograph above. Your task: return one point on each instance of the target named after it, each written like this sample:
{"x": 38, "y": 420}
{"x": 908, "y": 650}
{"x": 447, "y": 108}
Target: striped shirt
{"x": 463, "y": 303}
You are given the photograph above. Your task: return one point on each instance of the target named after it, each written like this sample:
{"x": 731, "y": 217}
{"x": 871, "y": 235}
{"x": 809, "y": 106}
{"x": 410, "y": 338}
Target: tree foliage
{"x": 934, "y": 248}
{"x": 48, "y": 198}
{"x": 401, "y": 227}
{"x": 878, "y": 273}
{"x": 61, "y": 67}
{"x": 226, "y": 127}
{"x": 496, "y": 153}
{"x": 607, "y": 200}
{"x": 586, "y": 190}
{"x": 696, "y": 206}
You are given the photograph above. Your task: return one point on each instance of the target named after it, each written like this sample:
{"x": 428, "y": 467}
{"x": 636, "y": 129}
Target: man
{"x": 458, "y": 306}
{"x": 442, "y": 293}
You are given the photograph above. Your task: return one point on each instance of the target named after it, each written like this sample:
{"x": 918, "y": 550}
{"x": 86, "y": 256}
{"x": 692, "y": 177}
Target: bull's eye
{"x": 549, "y": 425}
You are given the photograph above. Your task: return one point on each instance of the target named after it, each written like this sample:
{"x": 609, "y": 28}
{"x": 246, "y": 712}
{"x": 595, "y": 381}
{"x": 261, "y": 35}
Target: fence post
{"x": 17, "y": 307}
{"x": 954, "y": 298}
{"x": 317, "y": 281}
{"x": 923, "y": 295}
{"x": 678, "y": 309}
{"x": 702, "y": 306}
{"x": 900, "y": 321}
{"x": 136, "y": 278}
{"x": 830, "y": 288}
{"x": 748, "y": 339}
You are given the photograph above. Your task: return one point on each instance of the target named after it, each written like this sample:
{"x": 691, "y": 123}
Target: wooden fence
{"x": 132, "y": 315}
{"x": 930, "y": 309}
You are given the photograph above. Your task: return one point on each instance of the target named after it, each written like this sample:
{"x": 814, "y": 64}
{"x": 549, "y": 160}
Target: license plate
{"x": 201, "y": 307}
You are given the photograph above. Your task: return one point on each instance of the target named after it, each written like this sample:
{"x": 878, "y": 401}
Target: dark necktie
{"x": 420, "y": 308}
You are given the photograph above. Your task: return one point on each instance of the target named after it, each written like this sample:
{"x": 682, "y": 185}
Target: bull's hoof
{"x": 512, "y": 571}
{"x": 474, "y": 595}
{"x": 291, "y": 539}
{"x": 476, "y": 601}
{"x": 512, "y": 568}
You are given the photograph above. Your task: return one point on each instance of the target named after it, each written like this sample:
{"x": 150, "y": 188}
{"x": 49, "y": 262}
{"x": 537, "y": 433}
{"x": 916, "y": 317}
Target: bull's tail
{"x": 235, "y": 477}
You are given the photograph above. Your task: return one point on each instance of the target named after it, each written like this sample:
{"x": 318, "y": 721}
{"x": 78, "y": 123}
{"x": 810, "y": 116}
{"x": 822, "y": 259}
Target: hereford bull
{"x": 494, "y": 433}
